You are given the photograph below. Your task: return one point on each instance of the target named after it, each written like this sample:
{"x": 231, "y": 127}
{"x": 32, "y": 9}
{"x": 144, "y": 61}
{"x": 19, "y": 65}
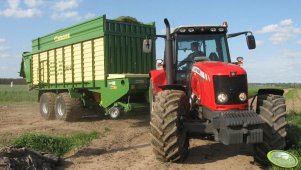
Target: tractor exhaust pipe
{"x": 170, "y": 74}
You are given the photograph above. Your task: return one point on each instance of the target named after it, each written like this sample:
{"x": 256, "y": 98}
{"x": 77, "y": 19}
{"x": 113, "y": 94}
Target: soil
{"x": 125, "y": 146}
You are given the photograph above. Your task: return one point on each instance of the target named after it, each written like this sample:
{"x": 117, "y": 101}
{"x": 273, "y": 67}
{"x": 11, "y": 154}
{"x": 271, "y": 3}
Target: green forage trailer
{"x": 98, "y": 61}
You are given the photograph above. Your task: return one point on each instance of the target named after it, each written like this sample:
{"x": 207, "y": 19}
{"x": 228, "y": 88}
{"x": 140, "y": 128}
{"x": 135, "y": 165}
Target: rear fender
{"x": 158, "y": 78}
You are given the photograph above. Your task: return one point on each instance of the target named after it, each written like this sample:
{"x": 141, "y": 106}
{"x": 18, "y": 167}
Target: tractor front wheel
{"x": 168, "y": 138}
{"x": 272, "y": 110}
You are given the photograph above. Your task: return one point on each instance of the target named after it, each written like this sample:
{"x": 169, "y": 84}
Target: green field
{"x": 254, "y": 88}
{"x": 17, "y": 93}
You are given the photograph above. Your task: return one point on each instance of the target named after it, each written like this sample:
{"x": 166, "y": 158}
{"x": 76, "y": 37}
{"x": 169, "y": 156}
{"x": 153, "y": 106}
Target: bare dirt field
{"x": 124, "y": 146}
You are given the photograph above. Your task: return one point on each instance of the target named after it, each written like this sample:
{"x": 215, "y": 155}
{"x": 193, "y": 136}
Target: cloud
{"x": 268, "y": 29}
{"x": 286, "y": 22}
{"x": 15, "y": 10}
{"x": 66, "y": 15}
{"x": 3, "y": 49}
{"x": 290, "y": 54}
{"x": 89, "y": 15}
{"x": 299, "y": 42}
{"x": 281, "y": 32}
{"x": 2, "y": 40}
{"x": 66, "y": 9}
{"x": 259, "y": 42}
{"x": 33, "y": 3}
{"x": 64, "y": 5}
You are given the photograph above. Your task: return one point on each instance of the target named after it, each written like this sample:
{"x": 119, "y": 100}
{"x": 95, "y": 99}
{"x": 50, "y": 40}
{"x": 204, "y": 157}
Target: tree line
{"x": 16, "y": 81}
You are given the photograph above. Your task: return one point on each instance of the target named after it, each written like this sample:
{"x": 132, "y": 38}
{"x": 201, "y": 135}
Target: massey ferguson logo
{"x": 203, "y": 75}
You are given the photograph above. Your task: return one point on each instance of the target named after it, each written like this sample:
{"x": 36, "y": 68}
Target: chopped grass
{"x": 17, "y": 93}
{"x": 55, "y": 144}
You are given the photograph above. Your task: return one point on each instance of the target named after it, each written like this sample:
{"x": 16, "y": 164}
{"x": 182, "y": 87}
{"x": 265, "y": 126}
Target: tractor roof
{"x": 200, "y": 29}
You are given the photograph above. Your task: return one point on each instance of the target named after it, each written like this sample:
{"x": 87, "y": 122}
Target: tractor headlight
{"x": 190, "y": 29}
{"x": 222, "y": 97}
{"x": 242, "y": 96}
{"x": 221, "y": 29}
{"x": 213, "y": 29}
{"x": 182, "y": 30}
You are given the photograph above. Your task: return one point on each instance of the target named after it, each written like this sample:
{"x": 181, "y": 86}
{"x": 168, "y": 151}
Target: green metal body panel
{"x": 84, "y": 31}
{"x": 122, "y": 55}
{"x": 26, "y": 61}
{"x": 124, "y": 48}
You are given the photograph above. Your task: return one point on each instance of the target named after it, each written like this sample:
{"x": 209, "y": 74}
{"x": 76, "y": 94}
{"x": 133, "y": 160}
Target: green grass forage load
{"x": 128, "y": 19}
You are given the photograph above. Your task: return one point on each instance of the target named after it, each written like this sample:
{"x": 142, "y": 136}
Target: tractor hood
{"x": 212, "y": 68}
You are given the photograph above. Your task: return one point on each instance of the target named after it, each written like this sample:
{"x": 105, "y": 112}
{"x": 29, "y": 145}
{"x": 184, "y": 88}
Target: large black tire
{"x": 47, "y": 101}
{"x": 67, "y": 108}
{"x": 168, "y": 139}
{"x": 272, "y": 110}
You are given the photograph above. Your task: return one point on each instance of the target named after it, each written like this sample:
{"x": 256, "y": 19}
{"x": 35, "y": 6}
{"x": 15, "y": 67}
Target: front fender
{"x": 279, "y": 92}
{"x": 158, "y": 78}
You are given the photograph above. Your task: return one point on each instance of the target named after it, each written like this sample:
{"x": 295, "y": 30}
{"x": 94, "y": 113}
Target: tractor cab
{"x": 198, "y": 44}
{"x": 206, "y": 43}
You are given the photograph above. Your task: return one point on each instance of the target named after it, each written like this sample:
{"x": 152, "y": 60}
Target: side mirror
{"x": 251, "y": 42}
{"x": 147, "y": 46}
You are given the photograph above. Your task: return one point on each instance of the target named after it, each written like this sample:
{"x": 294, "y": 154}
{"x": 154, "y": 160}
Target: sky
{"x": 276, "y": 25}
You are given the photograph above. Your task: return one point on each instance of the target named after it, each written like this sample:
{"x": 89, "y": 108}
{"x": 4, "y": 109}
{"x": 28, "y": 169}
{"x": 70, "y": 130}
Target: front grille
{"x": 231, "y": 86}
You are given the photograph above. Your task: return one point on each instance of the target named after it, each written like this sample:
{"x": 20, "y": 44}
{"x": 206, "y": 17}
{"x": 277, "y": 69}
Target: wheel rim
{"x": 44, "y": 108}
{"x": 61, "y": 109}
{"x": 114, "y": 112}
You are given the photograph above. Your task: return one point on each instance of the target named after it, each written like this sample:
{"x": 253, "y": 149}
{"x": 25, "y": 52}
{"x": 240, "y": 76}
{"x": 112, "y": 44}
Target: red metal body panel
{"x": 202, "y": 82}
{"x": 203, "y": 87}
{"x": 158, "y": 78}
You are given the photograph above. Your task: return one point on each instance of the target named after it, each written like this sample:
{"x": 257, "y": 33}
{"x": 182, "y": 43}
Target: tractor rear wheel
{"x": 47, "y": 101}
{"x": 67, "y": 108}
{"x": 168, "y": 138}
{"x": 272, "y": 110}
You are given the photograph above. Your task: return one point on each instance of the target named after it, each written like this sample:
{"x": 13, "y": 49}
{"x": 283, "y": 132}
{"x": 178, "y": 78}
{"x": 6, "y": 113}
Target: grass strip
{"x": 55, "y": 144}
{"x": 17, "y": 93}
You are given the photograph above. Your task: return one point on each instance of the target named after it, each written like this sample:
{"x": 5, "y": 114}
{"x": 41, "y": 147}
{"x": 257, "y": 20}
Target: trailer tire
{"x": 67, "y": 108}
{"x": 115, "y": 112}
{"x": 47, "y": 101}
{"x": 168, "y": 138}
{"x": 272, "y": 110}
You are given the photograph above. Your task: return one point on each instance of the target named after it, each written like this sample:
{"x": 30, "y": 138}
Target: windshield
{"x": 201, "y": 48}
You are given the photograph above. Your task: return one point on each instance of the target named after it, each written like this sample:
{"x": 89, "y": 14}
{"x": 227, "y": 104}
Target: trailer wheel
{"x": 67, "y": 108}
{"x": 168, "y": 138}
{"x": 272, "y": 110}
{"x": 115, "y": 112}
{"x": 47, "y": 101}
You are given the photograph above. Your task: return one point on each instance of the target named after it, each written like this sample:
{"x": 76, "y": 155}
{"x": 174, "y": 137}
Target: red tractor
{"x": 200, "y": 91}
